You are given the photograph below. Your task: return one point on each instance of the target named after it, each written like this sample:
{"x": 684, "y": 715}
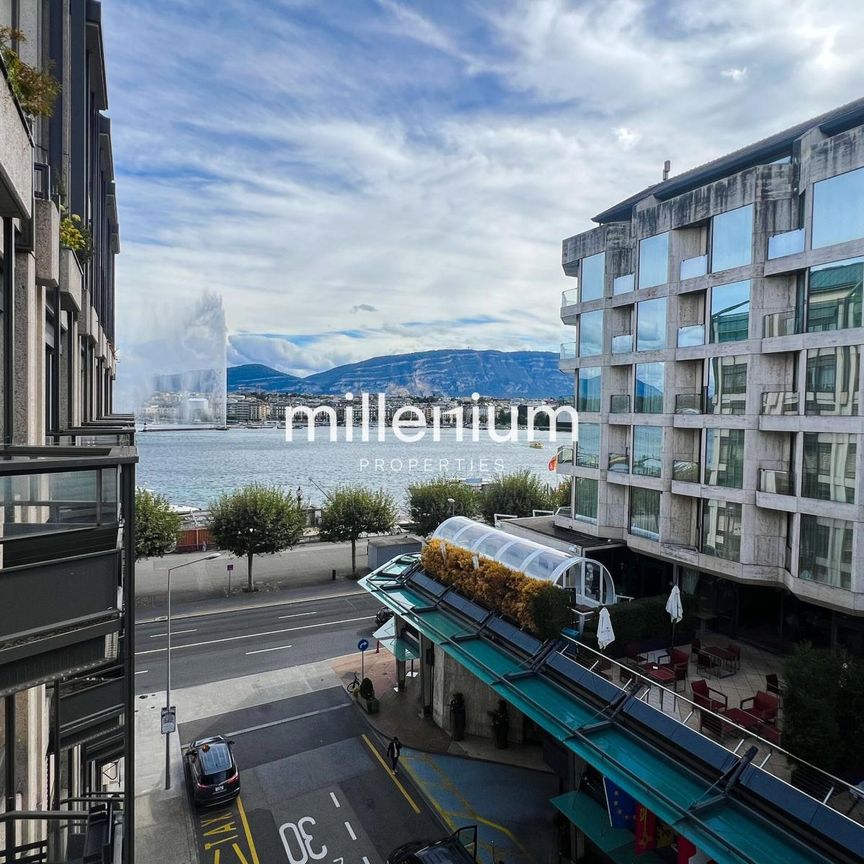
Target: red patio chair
{"x": 763, "y": 705}
{"x": 704, "y": 696}
{"x": 677, "y": 661}
{"x": 736, "y": 650}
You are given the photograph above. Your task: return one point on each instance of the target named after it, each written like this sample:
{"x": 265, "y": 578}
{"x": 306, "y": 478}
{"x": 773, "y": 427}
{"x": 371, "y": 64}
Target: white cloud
{"x": 735, "y": 73}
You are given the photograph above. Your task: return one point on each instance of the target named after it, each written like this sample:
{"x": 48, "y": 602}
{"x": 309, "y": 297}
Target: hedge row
{"x": 640, "y": 620}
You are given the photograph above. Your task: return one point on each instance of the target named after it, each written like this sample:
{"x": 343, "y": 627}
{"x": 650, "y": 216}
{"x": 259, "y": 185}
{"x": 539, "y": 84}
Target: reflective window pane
{"x": 649, "y": 388}
{"x": 585, "y": 504}
{"x": 647, "y": 450}
{"x": 825, "y": 552}
{"x": 721, "y": 529}
{"x": 730, "y": 311}
{"x": 588, "y": 389}
{"x": 732, "y": 239}
{"x": 727, "y": 385}
{"x": 654, "y": 260}
{"x": 645, "y": 512}
{"x": 834, "y": 295}
{"x": 651, "y": 324}
{"x": 829, "y": 466}
{"x": 832, "y": 381}
{"x": 838, "y": 209}
{"x": 593, "y": 272}
{"x": 591, "y": 333}
{"x": 724, "y": 457}
{"x": 588, "y": 450}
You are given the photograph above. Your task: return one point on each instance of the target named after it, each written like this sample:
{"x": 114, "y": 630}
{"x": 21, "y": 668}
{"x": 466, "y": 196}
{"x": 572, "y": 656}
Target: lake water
{"x": 194, "y": 467}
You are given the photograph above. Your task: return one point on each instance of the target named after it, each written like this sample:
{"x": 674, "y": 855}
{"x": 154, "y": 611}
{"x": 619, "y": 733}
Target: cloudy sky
{"x": 364, "y": 177}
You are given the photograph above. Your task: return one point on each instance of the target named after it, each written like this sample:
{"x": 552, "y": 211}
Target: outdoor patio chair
{"x": 707, "y": 697}
{"x": 634, "y": 655}
{"x": 772, "y": 684}
{"x": 736, "y": 650}
{"x": 763, "y": 705}
{"x": 771, "y": 733}
{"x": 677, "y": 661}
{"x": 695, "y": 648}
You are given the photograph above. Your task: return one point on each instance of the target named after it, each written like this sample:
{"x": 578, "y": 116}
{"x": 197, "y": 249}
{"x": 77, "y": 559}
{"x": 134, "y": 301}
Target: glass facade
{"x": 838, "y": 209}
{"x": 727, "y": 385}
{"x": 645, "y": 512}
{"x": 834, "y": 293}
{"x": 651, "y": 325}
{"x": 654, "y": 260}
{"x": 829, "y": 466}
{"x": 825, "y": 554}
{"x": 732, "y": 239}
{"x": 588, "y": 389}
{"x": 585, "y": 502}
{"x": 724, "y": 457}
{"x": 730, "y": 311}
{"x": 649, "y": 388}
{"x": 588, "y": 451}
{"x": 721, "y": 529}
{"x": 832, "y": 381}
{"x": 593, "y": 274}
{"x": 591, "y": 333}
{"x": 647, "y": 450}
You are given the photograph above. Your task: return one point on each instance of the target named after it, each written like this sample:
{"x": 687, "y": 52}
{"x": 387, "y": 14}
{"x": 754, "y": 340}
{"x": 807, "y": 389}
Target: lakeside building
{"x": 716, "y": 361}
{"x": 67, "y": 463}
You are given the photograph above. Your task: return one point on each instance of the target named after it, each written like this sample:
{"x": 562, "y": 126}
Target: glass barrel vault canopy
{"x": 590, "y": 581}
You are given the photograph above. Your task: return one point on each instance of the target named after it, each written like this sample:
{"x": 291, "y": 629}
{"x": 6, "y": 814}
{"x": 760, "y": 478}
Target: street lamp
{"x": 168, "y": 663}
{"x": 452, "y": 503}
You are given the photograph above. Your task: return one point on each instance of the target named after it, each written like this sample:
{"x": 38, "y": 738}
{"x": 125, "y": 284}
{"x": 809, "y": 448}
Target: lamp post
{"x": 452, "y": 503}
{"x": 168, "y": 663}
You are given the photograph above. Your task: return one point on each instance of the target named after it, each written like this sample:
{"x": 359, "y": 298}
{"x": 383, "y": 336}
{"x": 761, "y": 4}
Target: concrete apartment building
{"x": 66, "y": 464}
{"x": 716, "y": 360}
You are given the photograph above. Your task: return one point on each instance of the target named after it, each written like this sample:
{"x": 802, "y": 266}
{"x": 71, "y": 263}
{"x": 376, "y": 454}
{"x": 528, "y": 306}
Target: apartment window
{"x": 647, "y": 450}
{"x": 727, "y": 385}
{"x": 651, "y": 324}
{"x": 591, "y": 333}
{"x": 832, "y": 381}
{"x": 829, "y": 466}
{"x": 732, "y": 239}
{"x": 649, "y": 388}
{"x": 645, "y": 512}
{"x": 654, "y": 260}
{"x": 724, "y": 457}
{"x": 588, "y": 389}
{"x": 592, "y": 278}
{"x": 834, "y": 293}
{"x": 826, "y": 551}
{"x": 838, "y": 209}
{"x": 588, "y": 450}
{"x": 721, "y": 529}
{"x": 730, "y": 312}
{"x": 585, "y": 501}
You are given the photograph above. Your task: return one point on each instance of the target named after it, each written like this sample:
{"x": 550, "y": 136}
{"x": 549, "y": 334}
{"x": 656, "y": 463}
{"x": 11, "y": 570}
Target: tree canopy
{"x": 156, "y": 525}
{"x": 516, "y": 494}
{"x": 429, "y": 505}
{"x": 355, "y": 510}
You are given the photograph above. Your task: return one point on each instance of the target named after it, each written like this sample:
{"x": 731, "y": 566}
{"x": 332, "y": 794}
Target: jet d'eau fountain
{"x": 176, "y": 374}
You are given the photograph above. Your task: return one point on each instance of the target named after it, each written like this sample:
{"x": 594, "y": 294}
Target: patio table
{"x": 740, "y": 718}
{"x": 663, "y": 676}
{"x": 727, "y": 661}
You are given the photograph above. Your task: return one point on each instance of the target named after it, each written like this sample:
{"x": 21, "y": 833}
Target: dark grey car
{"x": 212, "y": 772}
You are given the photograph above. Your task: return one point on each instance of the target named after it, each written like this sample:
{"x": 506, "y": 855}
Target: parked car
{"x": 383, "y": 615}
{"x": 211, "y": 771}
{"x": 459, "y": 848}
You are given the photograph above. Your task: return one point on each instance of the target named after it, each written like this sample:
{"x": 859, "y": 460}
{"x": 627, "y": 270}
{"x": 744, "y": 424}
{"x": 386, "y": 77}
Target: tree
{"x": 156, "y": 525}
{"x": 256, "y": 520}
{"x": 516, "y": 495}
{"x": 429, "y": 505}
{"x": 355, "y": 510}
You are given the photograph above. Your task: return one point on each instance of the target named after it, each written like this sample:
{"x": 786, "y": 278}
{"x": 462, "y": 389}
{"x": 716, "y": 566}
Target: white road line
{"x": 273, "y": 723}
{"x": 296, "y": 615}
{"x": 142, "y": 671}
{"x": 350, "y": 830}
{"x": 365, "y": 860}
{"x": 173, "y": 633}
{"x": 335, "y": 800}
{"x": 263, "y": 650}
{"x": 255, "y": 635}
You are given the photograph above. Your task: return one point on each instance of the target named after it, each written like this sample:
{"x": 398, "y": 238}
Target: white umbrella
{"x": 673, "y": 605}
{"x": 605, "y": 633}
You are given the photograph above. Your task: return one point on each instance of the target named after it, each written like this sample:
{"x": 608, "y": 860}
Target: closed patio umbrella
{"x": 605, "y": 633}
{"x": 674, "y": 608}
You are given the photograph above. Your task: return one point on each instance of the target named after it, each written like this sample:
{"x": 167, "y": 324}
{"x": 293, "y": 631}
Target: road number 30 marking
{"x": 304, "y": 841}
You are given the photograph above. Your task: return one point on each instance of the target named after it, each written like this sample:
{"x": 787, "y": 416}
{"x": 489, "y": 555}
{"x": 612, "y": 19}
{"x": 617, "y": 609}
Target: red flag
{"x": 686, "y": 850}
{"x": 646, "y": 829}
{"x": 553, "y": 463}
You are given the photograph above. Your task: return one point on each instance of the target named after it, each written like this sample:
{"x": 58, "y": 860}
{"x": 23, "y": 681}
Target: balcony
{"x": 776, "y": 481}
{"x": 685, "y": 472}
{"x": 587, "y": 458}
{"x": 781, "y": 324}
{"x": 693, "y": 267}
{"x": 564, "y": 458}
{"x": 787, "y": 243}
{"x": 779, "y": 403}
{"x": 831, "y": 403}
{"x": 619, "y": 403}
{"x": 619, "y": 463}
{"x": 567, "y": 355}
{"x": 569, "y": 302}
{"x": 691, "y": 336}
{"x": 16, "y": 157}
{"x": 624, "y": 284}
{"x": 689, "y": 403}
{"x": 622, "y": 344}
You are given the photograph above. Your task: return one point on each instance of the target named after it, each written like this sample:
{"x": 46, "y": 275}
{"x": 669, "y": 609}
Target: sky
{"x": 367, "y": 177}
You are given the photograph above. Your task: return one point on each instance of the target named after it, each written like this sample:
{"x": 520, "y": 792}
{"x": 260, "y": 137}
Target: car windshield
{"x": 215, "y": 762}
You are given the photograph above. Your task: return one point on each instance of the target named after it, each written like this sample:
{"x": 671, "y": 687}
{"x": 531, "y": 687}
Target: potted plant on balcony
{"x": 36, "y": 90}
{"x": 500, "y": 724}
{"x": 75, "y": 235}
{"x": 366, "y": 696}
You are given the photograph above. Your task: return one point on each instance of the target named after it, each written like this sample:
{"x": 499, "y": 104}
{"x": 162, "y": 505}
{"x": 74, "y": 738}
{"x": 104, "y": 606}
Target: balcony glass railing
{"x": 778, "y": 481}
{"x": 689, "y": 403}
{"x": 831, "y": 402}
{"x": 623, "y": 284}
{"x": 569, "y": 297}
{"x": 619, "y": 463}
{"x": 622, "y": 344}
{"x": 786, "y": 323}
{"x": 691, "y": 336}
{"x": 569, "y": 351}
{"x": 619, "y": 403}
{"x": 779, "y": 402}
{"x": 787, "y": 243}
{"x": 693, "y": 267}
{"x": 685, "y": 472}
{"x": 586, "y": 458}
{"x": 565, "y": 456}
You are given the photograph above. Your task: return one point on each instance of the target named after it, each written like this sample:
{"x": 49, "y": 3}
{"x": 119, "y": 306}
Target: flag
{"x": 686, "y": 850}
{"x": 621, "y": 806}
{"x": 646, "y": 829}
{"x": 553, "y": 463}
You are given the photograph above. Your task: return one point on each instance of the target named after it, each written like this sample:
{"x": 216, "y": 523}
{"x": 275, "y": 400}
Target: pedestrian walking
{"x": 394, "y": 748}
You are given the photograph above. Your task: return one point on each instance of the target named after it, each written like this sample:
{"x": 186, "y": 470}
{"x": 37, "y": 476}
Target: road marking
{"x": 284, "y": 720}
{"x": 249, "y": 840}
{"x": 255, "y": 635}
{"x": 392, "y": 776}
{"x": 296, "y": 615}
{"x": 350, "y": 830}
{"x": 335, "y": 800}
{"x": 365, "y": 860}
{"x": 141, "y": 671}
{"x": 173, "y": 633}
{"x": 264, "y": 650}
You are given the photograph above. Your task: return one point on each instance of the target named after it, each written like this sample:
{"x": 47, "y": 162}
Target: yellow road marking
{"x": 249, "y": 839}
{"x": 392, "y": 776}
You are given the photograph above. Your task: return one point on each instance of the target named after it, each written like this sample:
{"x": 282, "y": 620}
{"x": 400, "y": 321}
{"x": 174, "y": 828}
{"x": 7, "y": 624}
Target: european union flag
{"x": 621, "y": 806}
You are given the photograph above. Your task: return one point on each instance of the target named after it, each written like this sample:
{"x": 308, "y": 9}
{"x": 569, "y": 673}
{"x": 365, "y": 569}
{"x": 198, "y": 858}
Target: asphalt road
{"x": 223, "y": 645}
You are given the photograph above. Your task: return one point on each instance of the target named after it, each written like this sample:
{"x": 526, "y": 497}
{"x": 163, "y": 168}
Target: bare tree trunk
{"x": 353, "y": 555}
{"x": 249, "y": 587}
